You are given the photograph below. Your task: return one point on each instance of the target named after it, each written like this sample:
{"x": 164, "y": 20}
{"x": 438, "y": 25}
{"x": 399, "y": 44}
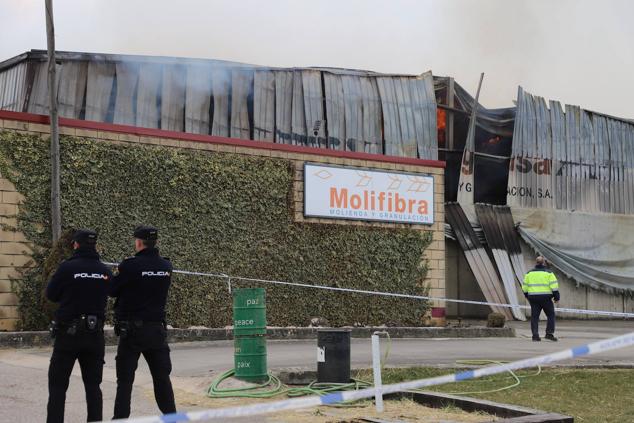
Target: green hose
{"x": 517, "y": 382}
{"x": 215, "y": 391}
{"x": 276, "y": 387}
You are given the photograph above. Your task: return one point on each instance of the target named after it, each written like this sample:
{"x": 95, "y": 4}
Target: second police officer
{"x": 140, "y": 289}
{"x": 80, "y": 286}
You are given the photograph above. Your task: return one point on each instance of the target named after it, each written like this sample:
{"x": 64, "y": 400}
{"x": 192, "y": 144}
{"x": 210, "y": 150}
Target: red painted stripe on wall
{"x": 160, "y": 133}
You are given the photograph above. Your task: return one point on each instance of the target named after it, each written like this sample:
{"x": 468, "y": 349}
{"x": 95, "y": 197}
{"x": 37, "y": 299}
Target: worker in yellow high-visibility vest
{"x": 541, "y": 289}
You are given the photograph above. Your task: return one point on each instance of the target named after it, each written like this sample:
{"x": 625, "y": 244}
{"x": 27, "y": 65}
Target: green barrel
{"x": 250, "y": 358}
{"x": 249, "y": 312}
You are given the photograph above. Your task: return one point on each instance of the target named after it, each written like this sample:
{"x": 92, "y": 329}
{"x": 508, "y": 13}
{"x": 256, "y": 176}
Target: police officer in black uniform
{"x": 80, "y": 286}
{"x": 141, "y": 291}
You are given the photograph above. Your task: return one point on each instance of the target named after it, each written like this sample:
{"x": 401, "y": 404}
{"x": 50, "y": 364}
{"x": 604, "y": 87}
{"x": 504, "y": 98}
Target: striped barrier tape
{"x": 229, "y": 278}
{"x": 617, "y": 342}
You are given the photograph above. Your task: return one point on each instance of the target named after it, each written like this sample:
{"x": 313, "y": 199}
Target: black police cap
{"x": 147, "y": 233}
{"x": 85, "y": 237}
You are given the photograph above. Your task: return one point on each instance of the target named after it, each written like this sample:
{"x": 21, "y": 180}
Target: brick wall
{"x": 435, "y": 254}
{"x": 14, "y": 253}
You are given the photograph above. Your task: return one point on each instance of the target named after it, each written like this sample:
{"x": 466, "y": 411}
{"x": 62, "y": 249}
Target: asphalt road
{"x": 23, "y": 381}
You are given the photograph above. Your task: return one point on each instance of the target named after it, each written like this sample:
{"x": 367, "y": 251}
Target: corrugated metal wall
{"x": 13, "y": 88}
{"x": 326, "y": 108}
{"x": 570, "y": 160}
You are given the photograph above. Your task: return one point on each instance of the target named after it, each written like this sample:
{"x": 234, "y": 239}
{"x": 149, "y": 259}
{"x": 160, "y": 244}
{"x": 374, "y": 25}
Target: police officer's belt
{"x": 141, "y": 323}
{"x": 85, "y": 323}
{"x": 88, "y": 322}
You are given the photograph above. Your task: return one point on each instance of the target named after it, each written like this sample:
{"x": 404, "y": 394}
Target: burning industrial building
{"x": 537, "y": 177}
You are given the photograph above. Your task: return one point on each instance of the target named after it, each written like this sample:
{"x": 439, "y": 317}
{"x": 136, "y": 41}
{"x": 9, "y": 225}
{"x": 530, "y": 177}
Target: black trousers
{"x": 149, "y": 340}
{"x": 88, "y": 348}
{"x": 539, "y": 303}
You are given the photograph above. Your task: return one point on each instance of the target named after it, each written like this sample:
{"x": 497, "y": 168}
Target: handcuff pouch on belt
{"x": 89, "y": 322}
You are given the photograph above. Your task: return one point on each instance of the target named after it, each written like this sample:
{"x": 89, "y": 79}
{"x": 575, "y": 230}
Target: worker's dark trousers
{"x": 88, "y": 349}
{"x": 539, "y": 303}
{"x": 149, "y": 340}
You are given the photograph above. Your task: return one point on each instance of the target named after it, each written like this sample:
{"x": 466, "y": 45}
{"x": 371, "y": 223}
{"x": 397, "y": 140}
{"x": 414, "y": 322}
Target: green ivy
{"x": 217, "y": 212}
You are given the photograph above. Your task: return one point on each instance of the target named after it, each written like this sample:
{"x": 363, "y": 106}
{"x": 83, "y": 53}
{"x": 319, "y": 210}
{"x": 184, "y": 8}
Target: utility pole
{"x": 56, "y": 212}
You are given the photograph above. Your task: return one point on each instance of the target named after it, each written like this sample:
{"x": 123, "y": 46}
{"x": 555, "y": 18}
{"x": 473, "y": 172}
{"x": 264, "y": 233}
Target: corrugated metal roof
{"x": 320, "y": 107}
{"x": 570, "y": 160}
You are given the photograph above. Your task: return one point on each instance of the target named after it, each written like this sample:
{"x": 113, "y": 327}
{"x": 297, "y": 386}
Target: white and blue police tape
{"x": 622, "y": 341}
{"x": 229, "y": 278}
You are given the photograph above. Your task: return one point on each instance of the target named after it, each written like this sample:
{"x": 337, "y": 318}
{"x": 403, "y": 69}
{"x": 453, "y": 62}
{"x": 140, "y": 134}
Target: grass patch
{"x": 589, "y": 395}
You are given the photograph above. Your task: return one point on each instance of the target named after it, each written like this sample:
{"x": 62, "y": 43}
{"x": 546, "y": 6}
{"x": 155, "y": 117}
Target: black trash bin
{"x": 333, "y": 356}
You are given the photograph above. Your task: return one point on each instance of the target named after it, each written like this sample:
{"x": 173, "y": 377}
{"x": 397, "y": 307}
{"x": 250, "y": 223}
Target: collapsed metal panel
{"x": 241, "y": 86}
{"x": 5, "y": 97}
{"x": 391, "y": 123}
{"x": 298, "y": 114}
{"x": 405, "y": 116}
{"x": 99, "y": 85}
{"x": 493, "y": 233}
{"x": 283, "y": 107}
{"x": 314, "y": 109}
{"x": 264, "y": 106}
{"x": 221, "y": 88}
{"x": 353, "y": 97}
{"x": 558, "y": 133}
{"x": 148, "y": 95}
{"x": 13, "y": 88}
{"x": 38, "y": 100}
{"x": 336, "y": 111}
{"x": 409, "y": 116}
{"x": 423, "y": 100}
{"x": 426, "y": 128}
{"x": 127, "y": 81}
{"x": 511, "y": 241}
{"x": 198, "y": 99}
{"x": 479, "y": 262}
{"x": 372, "y": 118}
{"x": 574, "y": 160}
{"x": 72, "y": 89}
{"x": 411, "y": 111}
{"x": 362, "y": 113}
{"x": 628, "y": 142}
{"x": 173, "y": 98}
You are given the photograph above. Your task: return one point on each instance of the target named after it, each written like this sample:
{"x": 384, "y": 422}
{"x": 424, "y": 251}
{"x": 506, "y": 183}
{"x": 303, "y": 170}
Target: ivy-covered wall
{"x": 217, "y": 212}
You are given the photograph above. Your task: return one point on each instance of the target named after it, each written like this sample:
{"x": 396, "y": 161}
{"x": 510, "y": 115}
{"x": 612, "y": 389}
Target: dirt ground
{"x": 395, "y": 410}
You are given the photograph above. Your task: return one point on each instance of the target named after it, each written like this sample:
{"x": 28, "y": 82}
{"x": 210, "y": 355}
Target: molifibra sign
{"x": 360, "y": 194}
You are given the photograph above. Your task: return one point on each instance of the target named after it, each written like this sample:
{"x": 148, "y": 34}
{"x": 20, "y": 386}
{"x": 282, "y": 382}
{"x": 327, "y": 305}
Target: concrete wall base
{"x": 42, "y": 338}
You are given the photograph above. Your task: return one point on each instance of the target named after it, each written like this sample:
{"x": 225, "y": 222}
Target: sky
{"x": 577, "y": 51}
